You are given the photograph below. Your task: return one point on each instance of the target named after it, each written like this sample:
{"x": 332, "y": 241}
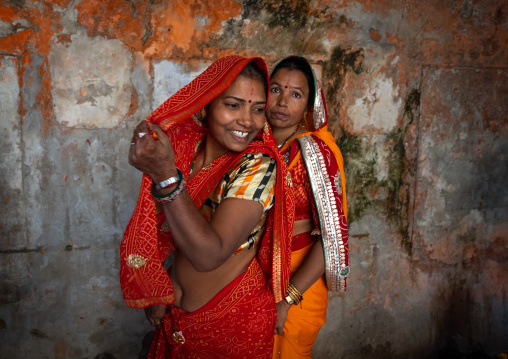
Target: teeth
{"x": 239, "y": 133}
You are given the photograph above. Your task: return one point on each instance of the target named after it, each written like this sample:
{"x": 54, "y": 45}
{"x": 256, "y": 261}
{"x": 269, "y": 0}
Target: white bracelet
{"x": 167, "y": 183}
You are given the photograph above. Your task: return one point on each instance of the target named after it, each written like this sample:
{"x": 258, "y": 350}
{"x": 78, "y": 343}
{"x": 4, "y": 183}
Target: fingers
{"x": 155, "y": 315}
{"x": 158, "y": 133}
{"x": 155, "y": 128}
{"x": 154, "y": 321}
{"x": 151, "y": 152}
{"x": 140, "y": 131}
{"x": 139, "y": 138}
{"x": 141, "y": 127}
{"x": 157, "y": 323}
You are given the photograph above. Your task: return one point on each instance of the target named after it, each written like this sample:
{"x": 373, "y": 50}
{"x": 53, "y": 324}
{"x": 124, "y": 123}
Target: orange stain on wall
{"x": 15, "y": 43}
{"x": 38, "y": 37}
{"x": 161, "y": 30}
{"x": 375, "y": 35}
{"x": 158, "y": 31}
{"x": 182, "y": 27}
{"x": 115, "y": 19}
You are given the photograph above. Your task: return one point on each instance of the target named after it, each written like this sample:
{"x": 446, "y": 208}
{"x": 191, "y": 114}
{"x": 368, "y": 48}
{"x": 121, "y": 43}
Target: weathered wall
{"x": 417, "y": 94}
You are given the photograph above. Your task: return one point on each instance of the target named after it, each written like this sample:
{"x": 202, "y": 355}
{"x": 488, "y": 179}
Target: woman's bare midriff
{"x": 303, "y": 226}
{"x": 194, "y": 289}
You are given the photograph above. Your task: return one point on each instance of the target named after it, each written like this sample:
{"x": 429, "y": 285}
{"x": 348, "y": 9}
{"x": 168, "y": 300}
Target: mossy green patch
{"x": 284, "y": 13}
{"x": 412, "y": 105}
{"x": 342, "y": 61}
{"x": 360, "y": 169}
{"x": 351, "y": 60}
{"x": 360, "y": 175}
{"x": 396, "y": 205}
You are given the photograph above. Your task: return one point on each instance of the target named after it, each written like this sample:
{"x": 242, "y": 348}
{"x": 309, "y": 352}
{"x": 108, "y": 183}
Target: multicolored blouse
{"x": 252, "y": 178}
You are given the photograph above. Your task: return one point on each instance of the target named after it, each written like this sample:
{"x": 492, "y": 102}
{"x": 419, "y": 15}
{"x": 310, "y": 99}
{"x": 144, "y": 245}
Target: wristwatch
{"x": 166, "y": 183}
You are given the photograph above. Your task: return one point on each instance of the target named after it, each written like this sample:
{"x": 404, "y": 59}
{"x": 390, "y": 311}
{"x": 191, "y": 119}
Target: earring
{"x": 203, "y": 113}
{"x": 305, "y": 114}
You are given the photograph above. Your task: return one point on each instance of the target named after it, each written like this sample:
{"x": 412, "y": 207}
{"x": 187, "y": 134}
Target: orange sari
{"x": 147, "y": 241}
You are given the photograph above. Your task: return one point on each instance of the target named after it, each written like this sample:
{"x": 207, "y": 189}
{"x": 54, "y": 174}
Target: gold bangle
{"x": 295, "y": 290}
{"x": 293, "y": 295}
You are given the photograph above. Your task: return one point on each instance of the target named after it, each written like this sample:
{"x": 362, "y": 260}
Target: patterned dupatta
{"x": 325, "y": 167}
{"x": 147, "y": 240}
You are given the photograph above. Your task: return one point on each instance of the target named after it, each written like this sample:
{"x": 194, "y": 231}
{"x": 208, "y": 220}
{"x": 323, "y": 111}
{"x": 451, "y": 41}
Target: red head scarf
{"x": 147, "y": 243}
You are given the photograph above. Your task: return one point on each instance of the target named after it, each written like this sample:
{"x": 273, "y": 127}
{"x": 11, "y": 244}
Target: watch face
{"x": 289, "y": 299}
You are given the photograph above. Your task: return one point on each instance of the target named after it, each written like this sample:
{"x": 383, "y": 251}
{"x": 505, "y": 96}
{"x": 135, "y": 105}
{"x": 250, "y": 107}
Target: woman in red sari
{"x": 211, "y": 170}
{"x": 319, "y": 250}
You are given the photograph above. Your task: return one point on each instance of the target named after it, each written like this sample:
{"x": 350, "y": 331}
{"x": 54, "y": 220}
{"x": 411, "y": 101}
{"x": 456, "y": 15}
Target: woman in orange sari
{"x": 211, "y": 169}
{"x": 319, "y": 249}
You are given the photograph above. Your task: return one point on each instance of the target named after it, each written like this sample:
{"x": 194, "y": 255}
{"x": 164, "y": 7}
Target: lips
{"x": 277, "y": 114}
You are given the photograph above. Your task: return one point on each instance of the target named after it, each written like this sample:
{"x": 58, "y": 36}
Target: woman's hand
{"x": 282, "y": 314}
{"x": 155, "y": 157}
{"x": 155, "y": 314}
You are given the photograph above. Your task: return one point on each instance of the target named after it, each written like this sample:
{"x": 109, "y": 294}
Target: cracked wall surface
{"x": 417, "y": 97}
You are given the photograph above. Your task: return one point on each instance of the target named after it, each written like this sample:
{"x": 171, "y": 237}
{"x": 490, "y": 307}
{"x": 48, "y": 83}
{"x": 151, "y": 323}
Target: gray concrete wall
{"x": 417, "y": 94}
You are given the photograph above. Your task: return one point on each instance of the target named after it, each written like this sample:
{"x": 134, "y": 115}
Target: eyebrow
{"x": 292, "y": 87}
{"x": 242, "y": 100}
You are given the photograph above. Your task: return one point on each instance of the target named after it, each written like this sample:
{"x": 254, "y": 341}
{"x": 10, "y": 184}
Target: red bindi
{"x": 285, "y": 87}
{"x": 250, "y": 101}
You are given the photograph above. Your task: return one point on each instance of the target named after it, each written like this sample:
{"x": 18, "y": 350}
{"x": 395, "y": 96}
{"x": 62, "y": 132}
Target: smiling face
{"x": 289, "y": 94}
{"x": 235, "y": 117}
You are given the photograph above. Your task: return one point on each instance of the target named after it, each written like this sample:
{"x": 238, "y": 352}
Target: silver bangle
{"x": 167, "y": 183}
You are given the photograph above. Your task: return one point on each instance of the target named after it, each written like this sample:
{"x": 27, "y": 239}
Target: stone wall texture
{"x": 417, "y": 95}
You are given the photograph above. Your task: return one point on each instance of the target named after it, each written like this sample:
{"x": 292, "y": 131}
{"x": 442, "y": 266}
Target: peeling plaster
{"x": 91, "y": 82}
{"x": 5, "y": 29}
{"x": 378, "y": 109}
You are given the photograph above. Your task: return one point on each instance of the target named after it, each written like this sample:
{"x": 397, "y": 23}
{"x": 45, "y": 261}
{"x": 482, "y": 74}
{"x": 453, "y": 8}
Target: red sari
{"x": 146, "y": 243}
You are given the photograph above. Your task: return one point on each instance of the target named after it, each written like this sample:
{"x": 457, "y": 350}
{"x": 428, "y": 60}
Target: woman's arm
{"x": 209, "y": 245}
{"x": 311, "y": 269}
{"x": 206, "y": 245}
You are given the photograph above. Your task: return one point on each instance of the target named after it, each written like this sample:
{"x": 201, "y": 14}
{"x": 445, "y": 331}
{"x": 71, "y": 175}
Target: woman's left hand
{"x": 155, "y": 157}
{"x": 155, "y": 314}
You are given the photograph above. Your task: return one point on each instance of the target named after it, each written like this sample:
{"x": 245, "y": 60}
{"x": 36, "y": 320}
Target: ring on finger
{"x": 141, "y": 134}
